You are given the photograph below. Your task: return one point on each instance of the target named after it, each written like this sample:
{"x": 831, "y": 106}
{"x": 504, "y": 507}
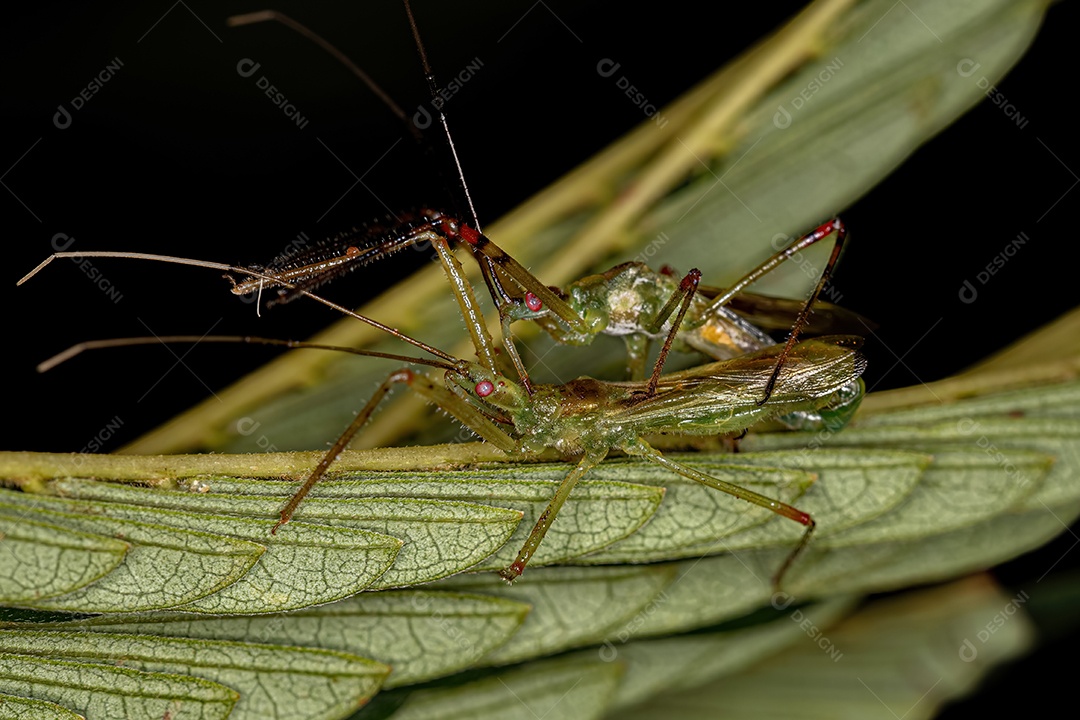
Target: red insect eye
{"x": 484, "y": 388}
{"x": 532, "y": 302}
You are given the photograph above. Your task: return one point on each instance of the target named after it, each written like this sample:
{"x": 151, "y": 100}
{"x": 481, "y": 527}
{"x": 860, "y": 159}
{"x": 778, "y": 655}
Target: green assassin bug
{"x": 584, "y": 419}
{"x": 630, "y": 300}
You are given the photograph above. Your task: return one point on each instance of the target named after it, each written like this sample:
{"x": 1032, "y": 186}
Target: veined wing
{"x": 776, "y": 313}
{"x": 723, "y": 396}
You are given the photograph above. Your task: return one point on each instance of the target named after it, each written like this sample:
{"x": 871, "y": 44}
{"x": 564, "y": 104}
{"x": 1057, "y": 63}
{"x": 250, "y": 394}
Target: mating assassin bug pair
{"x": 808, "y": 383}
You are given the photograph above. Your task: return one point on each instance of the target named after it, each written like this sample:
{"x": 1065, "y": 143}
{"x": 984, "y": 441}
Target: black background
{"x": 180, "y": 155}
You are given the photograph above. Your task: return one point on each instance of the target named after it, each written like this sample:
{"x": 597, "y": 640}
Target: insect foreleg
{"x": 470, "y": 310}
{"x": 403, "y": 375}
{"x": 451, "y": 403}
{"x": 686, "y": 291}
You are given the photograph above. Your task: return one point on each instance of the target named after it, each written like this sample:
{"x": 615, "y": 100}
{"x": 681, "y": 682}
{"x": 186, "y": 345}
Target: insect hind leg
{"x": 642, "y": 449}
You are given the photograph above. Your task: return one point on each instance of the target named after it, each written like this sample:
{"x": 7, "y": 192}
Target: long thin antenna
{"x": 245, "y": 271}
{"x": 433, "y": 88}
{"x": 244, "y": 339}
{"x": 274, "y": 15}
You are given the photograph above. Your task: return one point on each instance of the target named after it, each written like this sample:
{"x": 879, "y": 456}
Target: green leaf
{"x": 990, "y": 439}
{"x": 164, "y": 566}
{"x": 107, "y": 691}
{"x": 691, "y": 513}
{"x": 1064, "y": 403}
{"x": 571, "y": 607}
{"x": 893, "y": 82}
{"x": 667, "y": 665}
{"x": 442, "y": 536}
{"x": 44, "y": 560}
{"x": 273, "y": 681}
{"x": 420, "y": 634}
{"x": 855, "y": 488}
{"x": 887, "y": 566}
{"x": 597, "y": 516}
{"x": 899, "y": 657}
{"x": 563, "y": 688}
{"x": 439, "y": 537}
{"x": 706, "y": 591}
{"x": 303, "y": 565}
{"x": 18, "y": 708}
{"x": 958, "y": 489}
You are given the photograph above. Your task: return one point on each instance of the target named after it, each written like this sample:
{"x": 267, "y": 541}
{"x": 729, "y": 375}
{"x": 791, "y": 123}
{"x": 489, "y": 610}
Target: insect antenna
{"x": 79, "y": 348}
{"x": 473, "y": 418}
{"x": 412, "y": 125}
{"x": 433, "y": 89}
{"x": 272, "y": 279}
{"x": 274, "y": 15}
{"x": 488, "y": 266}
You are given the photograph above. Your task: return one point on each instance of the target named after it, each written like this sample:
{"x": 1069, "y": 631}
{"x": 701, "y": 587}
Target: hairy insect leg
{"x": 470, "y": 309}
{"x": 641, "y": 448}
{"x": 398, "y": 376}
{"x": 838, "y": 227}
{"x": 445, "y": 399}
{"x": 835, "y": 226}
{"x": 687, "y": 288}
{"x": 512, "y": 351}
{"x": 543, "y": 524}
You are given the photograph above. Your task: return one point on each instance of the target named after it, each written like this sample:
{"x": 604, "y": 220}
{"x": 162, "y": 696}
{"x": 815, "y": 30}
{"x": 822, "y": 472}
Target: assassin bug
{"x": 584, "y": 419}
{"x": 630, "y": 300}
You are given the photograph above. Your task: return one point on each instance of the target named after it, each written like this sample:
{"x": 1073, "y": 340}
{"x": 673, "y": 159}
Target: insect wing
{"x": 723, "y": 397}
{"x": 777, "y": 313}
